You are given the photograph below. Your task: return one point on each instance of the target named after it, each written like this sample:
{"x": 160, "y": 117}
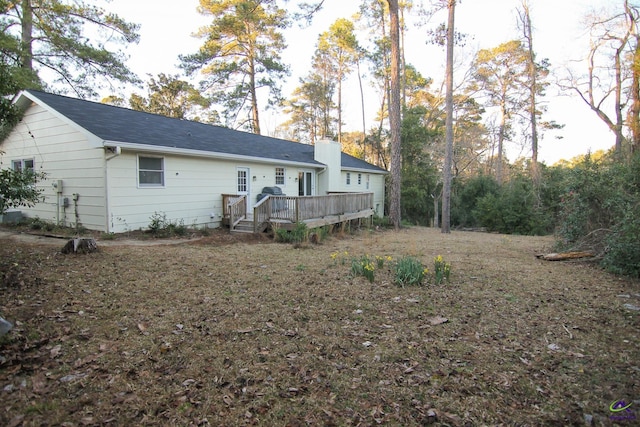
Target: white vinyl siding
{"x": 192, "y": 190}
{"x": 62, "y": 152}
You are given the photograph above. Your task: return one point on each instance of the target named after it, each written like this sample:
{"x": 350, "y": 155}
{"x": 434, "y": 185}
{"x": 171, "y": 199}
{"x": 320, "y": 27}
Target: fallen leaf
{"x": 55, "y": 351}
{"x": 38, "y": 383}
{"x": 16, "y": 421}
{"x": 87, "y": 359}
{"x": 437, "y": 320}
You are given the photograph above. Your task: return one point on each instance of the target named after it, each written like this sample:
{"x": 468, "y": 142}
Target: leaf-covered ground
{"x": 222, "y": 332}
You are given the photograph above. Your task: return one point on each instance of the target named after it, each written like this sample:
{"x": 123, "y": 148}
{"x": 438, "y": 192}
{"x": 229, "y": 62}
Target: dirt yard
{"x": 222, "y": 331}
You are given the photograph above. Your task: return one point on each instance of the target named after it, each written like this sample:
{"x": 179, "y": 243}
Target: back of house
{"x": 112, "y": 169}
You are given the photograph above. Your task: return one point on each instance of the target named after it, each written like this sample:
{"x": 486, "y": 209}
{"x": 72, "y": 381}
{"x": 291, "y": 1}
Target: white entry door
{"x": 305, "y": 183}
{"x": 243, "y": 184}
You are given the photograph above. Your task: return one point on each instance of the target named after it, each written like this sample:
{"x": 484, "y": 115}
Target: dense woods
{"x": 496, "y": 103}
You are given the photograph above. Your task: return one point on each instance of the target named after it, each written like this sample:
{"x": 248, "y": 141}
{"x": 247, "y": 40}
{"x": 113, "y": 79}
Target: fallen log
{"x": 564, "y": 256}
{"x": 80, "y": 245}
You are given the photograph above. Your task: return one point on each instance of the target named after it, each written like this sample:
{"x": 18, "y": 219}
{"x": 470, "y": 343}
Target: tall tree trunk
{"x": 502, "y": 131}
{"x": 364, "y": 124}
{"x": 395, "y": 116}
{"x": 634, "y": 112}
{"x": 448, "y": 152}
{"x": 533, "y": 87}
{"x": 27, "y": 36}
{"x": 403, "y": 63}
{"x": 340, "y": 77}
{"x": 618, "y": 100}
{"x": 255, "y": 125}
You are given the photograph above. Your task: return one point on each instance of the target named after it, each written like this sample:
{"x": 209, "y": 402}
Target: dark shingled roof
{"x": 116, "y": 124}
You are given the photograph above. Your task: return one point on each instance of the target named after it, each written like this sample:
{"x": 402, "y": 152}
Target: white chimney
{"x": 329, "y": 153}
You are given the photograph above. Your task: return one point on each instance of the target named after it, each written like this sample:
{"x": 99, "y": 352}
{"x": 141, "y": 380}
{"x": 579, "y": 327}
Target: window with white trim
{"x": 348, "y": 178}
{"x": 150, "y": 171}
{"x": 368, "y": 179}
{"x": 279, "y": 176}
{"x": 22, "y": 165}
{"x": 359, "y": 179}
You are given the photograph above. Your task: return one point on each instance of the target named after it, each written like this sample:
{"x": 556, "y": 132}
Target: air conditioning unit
{"x": 11, "y": 216}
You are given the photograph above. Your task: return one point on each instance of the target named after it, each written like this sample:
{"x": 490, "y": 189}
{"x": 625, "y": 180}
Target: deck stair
{"x": 243, "y": 226}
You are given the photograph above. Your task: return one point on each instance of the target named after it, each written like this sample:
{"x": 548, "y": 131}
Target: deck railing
{"x": 234, "y": 208}
{"x": 291, "y": 209}
{"x": 300, "y": 209}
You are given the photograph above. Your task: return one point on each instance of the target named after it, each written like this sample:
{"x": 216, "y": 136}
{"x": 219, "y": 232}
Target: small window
{"x": 150, "y": 171}
{"x": 359, "y": 179}
{"x": 348, "y": 178}
{"x": 368, "y": 177}
{"x": 23, "y": 165}
{"x": 279, "y": 176}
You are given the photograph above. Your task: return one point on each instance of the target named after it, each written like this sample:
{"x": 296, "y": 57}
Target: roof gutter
{"x": 206, "y": 154}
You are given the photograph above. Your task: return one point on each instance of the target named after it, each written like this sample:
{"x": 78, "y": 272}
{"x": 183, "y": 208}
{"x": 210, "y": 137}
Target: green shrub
{"x": 38, "y": 223}
{"x": 409, "y": 271}
{"x": 298, "y": 235}
{"x": 160, "y": 226}
{"x": 466, "y": 197}
{"x": 623, "y": 246}
{"x": 600, "y": 211}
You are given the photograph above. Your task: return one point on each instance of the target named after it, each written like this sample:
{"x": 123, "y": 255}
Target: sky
{"x": 166, "y": 32}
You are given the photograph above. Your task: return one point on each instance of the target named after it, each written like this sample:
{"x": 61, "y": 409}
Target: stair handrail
{"x": 237, "y": 210}
{"x": 261, "y": 212}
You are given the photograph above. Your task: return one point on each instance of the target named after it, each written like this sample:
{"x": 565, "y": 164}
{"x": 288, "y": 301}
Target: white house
{"x": 110, "y": 169}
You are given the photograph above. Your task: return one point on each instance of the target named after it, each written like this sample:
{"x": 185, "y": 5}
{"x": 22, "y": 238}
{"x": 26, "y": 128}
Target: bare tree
{"x": 524, "y": 18}
{"x": 608, "y": 71}
{"x": 448, "y": 157}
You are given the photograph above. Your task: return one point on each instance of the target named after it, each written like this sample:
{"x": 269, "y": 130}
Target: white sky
{"x": 166, "y": 32}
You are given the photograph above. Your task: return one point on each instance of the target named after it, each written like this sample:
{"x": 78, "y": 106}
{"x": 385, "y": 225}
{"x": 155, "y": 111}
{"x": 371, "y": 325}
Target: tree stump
{"x": 81, "y": 245}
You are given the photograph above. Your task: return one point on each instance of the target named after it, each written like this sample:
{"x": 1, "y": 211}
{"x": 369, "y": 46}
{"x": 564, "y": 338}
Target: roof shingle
{"x": 116, "y": 124}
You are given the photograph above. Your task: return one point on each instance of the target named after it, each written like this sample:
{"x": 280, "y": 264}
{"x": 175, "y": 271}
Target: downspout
{"x": 116, "y": 151}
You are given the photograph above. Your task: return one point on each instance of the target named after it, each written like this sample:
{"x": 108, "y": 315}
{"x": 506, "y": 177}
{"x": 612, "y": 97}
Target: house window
{"x": 150, "y": 171}
{"x": 359, "y": 179}
{"x": 279, "y": 176}
{"x": 367, "y": 184}
{"x": 22, "y": 165}
{"x": 348, "y": 178}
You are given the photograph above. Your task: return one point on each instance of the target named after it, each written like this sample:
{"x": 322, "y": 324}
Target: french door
{"x": 243, "y": 184}
{"x": 305, "y": 183}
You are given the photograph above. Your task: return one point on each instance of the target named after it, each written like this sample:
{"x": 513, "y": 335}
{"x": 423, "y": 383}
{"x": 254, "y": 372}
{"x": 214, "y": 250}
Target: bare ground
{"x": 224, "y": 331}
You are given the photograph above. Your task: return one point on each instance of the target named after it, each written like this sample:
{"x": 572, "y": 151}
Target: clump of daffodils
{"x": 441, "y": 270}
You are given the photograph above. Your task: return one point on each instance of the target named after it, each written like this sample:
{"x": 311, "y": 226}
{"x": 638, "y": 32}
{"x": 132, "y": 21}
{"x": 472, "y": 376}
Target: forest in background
{"x": 497, "y": 103}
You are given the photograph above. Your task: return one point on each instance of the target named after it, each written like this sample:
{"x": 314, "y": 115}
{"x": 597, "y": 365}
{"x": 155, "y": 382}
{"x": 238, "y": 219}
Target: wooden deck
{"x": 286, "y": 211}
